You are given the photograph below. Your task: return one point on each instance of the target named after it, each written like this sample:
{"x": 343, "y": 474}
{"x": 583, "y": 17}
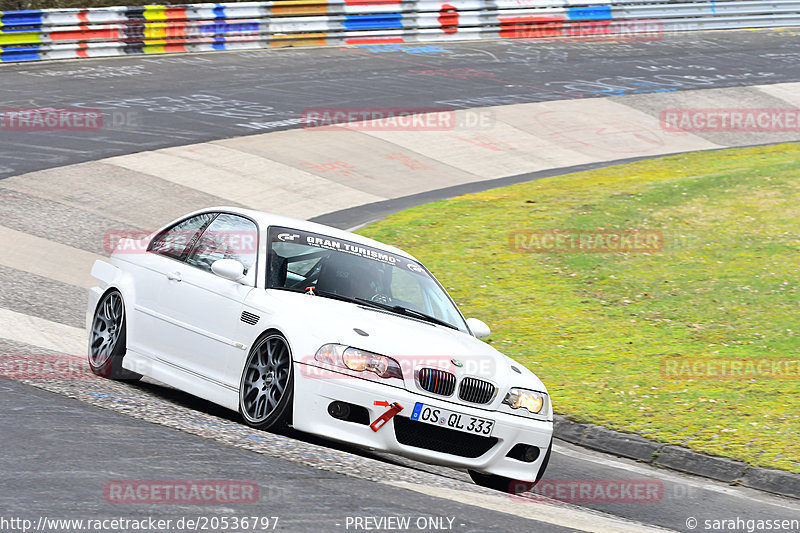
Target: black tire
{"x": 490, "y": 481}
{"x": 508, "y": 485}
{"x": 266, "y": 390}
{"x": 108, "y": 339}
{"x": 545, "y": 462}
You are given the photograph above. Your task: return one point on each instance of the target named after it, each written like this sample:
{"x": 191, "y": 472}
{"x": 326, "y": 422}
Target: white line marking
{"x": 564, "y": 516}
{"x": 611, "y": 461}
{"x": 42, "y": 333}
{"x": 46, "y": 258}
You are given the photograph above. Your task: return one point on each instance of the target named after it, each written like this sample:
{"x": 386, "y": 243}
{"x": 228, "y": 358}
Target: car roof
{"x": 265, "y": 220}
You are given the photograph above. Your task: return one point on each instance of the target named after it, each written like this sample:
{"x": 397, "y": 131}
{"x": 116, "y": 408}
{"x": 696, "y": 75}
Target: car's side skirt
{"x": 179, "y": 378}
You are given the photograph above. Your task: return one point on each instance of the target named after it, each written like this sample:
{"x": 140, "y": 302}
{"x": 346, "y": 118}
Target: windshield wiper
{"x": 335, "y": 296}
{"x": 408, "y": 312}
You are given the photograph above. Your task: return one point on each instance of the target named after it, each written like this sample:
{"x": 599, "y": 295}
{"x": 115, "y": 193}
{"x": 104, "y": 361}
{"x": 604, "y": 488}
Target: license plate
{"x": 450, "y": 419}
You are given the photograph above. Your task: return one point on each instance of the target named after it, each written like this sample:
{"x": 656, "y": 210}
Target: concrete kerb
{"x": 677, "y": 458}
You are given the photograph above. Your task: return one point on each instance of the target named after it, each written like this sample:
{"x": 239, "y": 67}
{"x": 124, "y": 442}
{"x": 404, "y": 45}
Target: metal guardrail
{"x": 97, "y": 32}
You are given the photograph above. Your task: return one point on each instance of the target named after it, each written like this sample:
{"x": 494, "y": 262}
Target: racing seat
{"x": 334, "y": 275}
{"x": 278, "y": 270}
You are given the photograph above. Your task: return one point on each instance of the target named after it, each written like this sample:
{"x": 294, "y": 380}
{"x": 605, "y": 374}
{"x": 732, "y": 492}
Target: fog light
{"x": 339, "y": 410}
{"x": 524, "y": 452}
{"x": 531, "y": 454}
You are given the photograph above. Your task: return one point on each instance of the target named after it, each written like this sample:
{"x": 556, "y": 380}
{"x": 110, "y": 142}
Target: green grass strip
{"x": 600, "y": 328}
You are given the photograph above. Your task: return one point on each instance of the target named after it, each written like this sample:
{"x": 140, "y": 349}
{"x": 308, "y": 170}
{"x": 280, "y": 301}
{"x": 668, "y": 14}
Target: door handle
{"x": 174, "y": 276}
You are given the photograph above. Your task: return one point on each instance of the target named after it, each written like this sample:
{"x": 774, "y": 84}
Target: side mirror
{"x": 478, "y": 328}
{"x": 229, "y": 269}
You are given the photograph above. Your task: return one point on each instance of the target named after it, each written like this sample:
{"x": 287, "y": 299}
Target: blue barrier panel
{"x": 389, "y": 21}
{"x": 23, "y": 53}
{"x": 589, "y": 13}
{"x": 32, "y": 17}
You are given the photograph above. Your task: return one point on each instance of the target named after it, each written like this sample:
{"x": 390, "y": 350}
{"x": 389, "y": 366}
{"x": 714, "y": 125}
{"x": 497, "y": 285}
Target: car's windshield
{"x": 300, "y": 260}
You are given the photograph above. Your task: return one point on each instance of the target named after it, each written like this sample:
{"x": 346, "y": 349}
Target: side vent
{"x": 250, "y": 318}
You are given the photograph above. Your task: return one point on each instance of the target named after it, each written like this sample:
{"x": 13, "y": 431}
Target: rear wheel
{"x": 508, "y": 485}
{"x": 267, "y": 387}
{"x": 107, "y": 340}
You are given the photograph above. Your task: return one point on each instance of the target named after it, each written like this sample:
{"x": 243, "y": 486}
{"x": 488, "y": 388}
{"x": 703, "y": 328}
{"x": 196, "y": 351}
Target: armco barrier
{"x": 75, "y": 33}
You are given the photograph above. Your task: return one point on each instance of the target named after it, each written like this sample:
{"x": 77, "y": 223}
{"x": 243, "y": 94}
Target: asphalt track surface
{"x": 70, "y": 481}
{"x": 155, "y": 102}
{"x": 58, "y": 453}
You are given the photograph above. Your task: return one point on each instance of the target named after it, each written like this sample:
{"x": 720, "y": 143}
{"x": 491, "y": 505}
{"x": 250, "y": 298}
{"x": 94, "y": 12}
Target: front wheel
{"x": 107, "y": 340}
{"x": 267, "y": 387}
{"x": 505, "y": 484}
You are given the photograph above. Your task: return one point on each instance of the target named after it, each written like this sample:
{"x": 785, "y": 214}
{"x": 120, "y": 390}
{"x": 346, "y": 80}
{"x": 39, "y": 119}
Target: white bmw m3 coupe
{"x": 295, "y": 323}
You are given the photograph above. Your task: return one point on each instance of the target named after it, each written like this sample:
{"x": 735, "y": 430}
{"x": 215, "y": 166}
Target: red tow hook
{"x": 394, "y": 408}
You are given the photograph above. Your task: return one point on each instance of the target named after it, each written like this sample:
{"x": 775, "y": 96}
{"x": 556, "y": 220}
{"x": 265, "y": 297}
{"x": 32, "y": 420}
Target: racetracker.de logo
{"x": 396, "y": 118}
{"x": 50, "y": 119}
{"x": 739, "y": 120}
{"x": 538, "y": 27}
{"x": 235, "y": 242}
{"x": 181, "y": 492}
{"x": 585, "y": 241}
{"x": 45, "y": 367}
{"x": 590, "y": 490}
{"x": 316, "y": 367}
{"x": 691, "y": 368}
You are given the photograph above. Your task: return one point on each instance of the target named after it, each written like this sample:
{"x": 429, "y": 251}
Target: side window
{"x": 228, "y": 237}
{"x": 173, "y": 241}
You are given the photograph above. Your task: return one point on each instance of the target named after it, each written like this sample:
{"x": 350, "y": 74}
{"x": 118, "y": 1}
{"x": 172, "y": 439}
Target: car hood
{"x": 414, "y": 343}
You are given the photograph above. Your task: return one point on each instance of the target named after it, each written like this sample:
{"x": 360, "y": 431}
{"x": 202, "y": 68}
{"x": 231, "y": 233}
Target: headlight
{"x": 359, "y": 360}
{"x": 355, "y": 359}
{"x": 331, "y": 354}
{"x": 530, "y": 400}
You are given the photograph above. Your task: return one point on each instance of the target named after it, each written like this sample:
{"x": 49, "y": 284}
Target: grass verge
{"x": 601, "y": 329}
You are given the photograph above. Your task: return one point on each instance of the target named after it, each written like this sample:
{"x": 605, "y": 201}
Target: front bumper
{"x": 313, "y": 395}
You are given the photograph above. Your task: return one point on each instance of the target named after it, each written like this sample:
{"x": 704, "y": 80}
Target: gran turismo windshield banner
{"x": 305, "y": 238}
